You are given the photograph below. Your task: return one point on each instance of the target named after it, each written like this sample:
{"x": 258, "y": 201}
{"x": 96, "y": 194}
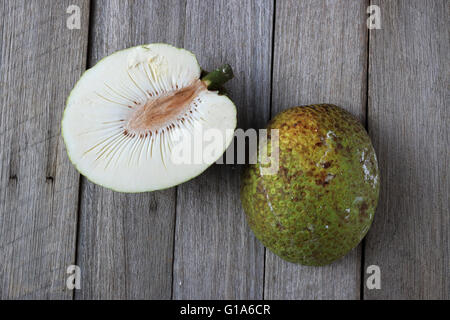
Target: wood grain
{"x": 40, "y": 59}
{"x": 409, "y": 123}
{"x": 320, "y": 56}
{"x": 126, "y": 240}
{"x": 192, "y": 242}
{"x": 216, "y": 255}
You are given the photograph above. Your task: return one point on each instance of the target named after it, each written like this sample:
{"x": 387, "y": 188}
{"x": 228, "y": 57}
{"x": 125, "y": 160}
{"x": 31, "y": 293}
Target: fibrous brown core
{"x": 164, "y": 110}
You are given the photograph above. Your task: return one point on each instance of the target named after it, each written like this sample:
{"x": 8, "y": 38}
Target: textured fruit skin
{"x": 322, "y": 200}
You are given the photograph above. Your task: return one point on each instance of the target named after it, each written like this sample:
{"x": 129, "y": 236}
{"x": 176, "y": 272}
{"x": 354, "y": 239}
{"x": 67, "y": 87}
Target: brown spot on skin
{"x": 260, "y": 188}
{"x": 363, "y": 209}
{"x": 284, "y": 173}
{"x": 316, "y": 255}
{"x": 280, "y": 226}
{"x": 322, "y": 179}
{"x": 322, "y": 183}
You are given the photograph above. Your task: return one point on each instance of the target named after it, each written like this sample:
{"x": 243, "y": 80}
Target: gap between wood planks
{"x": 81, "y": 178}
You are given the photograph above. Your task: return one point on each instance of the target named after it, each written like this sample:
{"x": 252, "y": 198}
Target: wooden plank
{"x": 40, "y": 59}
{"x": 409, "y": 123}
{"x": 216, "y": 255}
{"x": 320, "y": 56}
{"x": 126, "y": 240}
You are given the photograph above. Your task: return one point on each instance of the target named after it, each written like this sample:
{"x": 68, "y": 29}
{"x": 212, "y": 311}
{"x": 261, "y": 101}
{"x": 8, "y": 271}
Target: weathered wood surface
{"x": 409, "y": 121}
{"x": 126, "y": 240}
{"x": 216, "y": 255}
{"x": 40, "y": 60}
{"x": 317, "y": 62}
{"x": 192, "y": 241}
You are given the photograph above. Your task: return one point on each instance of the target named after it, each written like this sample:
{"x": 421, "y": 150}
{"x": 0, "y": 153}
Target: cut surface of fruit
{"x": 129, "y": 116}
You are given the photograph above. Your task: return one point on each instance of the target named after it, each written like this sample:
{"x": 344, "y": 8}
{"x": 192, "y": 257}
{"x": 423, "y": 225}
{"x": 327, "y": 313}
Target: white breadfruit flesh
{"x": 142, "y": 120}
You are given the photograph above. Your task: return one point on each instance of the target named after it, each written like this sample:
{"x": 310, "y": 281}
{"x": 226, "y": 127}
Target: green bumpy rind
{"x": 321, "y": 202}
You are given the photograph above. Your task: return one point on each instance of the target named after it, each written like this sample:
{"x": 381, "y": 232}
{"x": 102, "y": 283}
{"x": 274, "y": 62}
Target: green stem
{"x": 215, "y": 79}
